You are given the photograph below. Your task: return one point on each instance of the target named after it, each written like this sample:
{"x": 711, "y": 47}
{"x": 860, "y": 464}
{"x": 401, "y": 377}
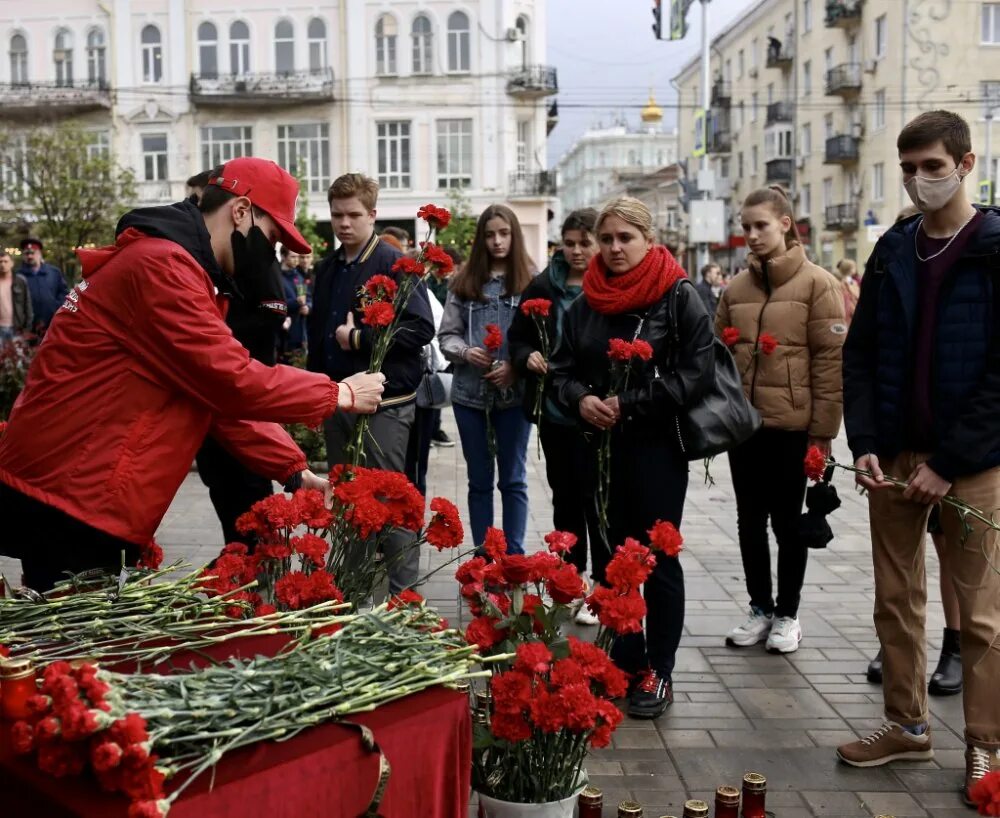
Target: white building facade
{"x": 428, "y": 97}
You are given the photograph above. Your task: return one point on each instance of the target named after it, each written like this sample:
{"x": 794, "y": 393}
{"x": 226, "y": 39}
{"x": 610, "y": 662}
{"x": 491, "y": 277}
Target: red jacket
{"x": 136, "y": 368}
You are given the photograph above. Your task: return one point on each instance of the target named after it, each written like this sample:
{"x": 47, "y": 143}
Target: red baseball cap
{"x": 269, "y": 187}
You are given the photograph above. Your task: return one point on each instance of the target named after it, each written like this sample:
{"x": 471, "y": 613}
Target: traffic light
{"x": 658, "y": 19}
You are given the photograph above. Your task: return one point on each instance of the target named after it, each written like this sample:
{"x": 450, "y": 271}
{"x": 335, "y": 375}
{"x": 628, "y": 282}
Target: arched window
{"x": 284, "y": 47}
{"x": 208, "y": 50}
{"x": 318, "y": 60}
{"x": 385, "y": 45}
{"x": 152, "y": 54}
{"x": 423, "y": 45}
{"x": 239, "y": 48}
{"x": 97, "y": 71}
{"x": 18, "y": 60}
{"x": 522, "y": 34}
{"x": 62, "y": 56}
{"x": 459, "y": 59}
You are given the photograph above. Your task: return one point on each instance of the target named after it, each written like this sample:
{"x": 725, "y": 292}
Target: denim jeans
{"x": 512, "y": 433}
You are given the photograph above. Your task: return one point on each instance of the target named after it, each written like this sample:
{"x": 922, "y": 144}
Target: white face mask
{"x": 929, "y": 194}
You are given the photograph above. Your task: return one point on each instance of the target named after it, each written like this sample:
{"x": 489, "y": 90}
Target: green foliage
{"x": 310, "y": 440}
{"x": 71, "y": 193}
{"x": 15, "y": 358}
{"x": 462, "y": 229}
{"x": 307, "y": 223}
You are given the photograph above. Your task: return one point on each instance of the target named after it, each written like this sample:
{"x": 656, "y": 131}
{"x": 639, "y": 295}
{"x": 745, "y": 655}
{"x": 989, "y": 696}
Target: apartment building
{"x": 429, "y": 96}
{"x": 811, "y": 96}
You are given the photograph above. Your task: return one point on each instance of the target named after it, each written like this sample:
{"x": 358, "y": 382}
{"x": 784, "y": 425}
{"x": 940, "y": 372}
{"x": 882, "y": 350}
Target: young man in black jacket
{"x": 921, "y": 391}
{"x": 338, "y": 341}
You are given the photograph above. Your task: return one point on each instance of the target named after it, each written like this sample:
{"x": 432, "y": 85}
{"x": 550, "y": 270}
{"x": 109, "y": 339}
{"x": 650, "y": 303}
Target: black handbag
{"x": 722, "y": 417}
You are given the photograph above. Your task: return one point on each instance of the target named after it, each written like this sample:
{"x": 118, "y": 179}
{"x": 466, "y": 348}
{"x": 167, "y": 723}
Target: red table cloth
{"x": 324, "y": 772}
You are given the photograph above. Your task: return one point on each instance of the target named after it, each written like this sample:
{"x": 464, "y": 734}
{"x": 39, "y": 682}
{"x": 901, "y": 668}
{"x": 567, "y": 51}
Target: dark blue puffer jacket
{"x": 965, "y": 381}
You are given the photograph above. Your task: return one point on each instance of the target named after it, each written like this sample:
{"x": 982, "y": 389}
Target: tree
{"x": 59, "y": 182}
{"x": 306, "y": 222}
{"x": 462, "y": 229}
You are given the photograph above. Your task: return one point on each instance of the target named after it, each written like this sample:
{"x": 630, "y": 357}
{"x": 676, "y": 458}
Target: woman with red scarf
{"x": 627, "y": 292}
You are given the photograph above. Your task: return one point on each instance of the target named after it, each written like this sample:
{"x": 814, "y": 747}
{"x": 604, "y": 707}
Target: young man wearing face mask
{"x": 138, "y": 366}
{"x": 921, "y": 391}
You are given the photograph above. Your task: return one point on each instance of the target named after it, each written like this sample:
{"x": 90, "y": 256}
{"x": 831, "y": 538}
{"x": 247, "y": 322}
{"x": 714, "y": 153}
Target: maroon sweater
{"x": 931, "y": 277}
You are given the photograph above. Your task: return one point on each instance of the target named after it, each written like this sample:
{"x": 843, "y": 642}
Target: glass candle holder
{"x": 17, "y": 685}
{"x": 727, "y": 802}
{"x": 754, "y": 794}
{"x": 590, "y": 803}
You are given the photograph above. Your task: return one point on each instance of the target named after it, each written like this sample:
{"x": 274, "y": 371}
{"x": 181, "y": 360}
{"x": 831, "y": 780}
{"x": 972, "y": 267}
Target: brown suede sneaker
{"x": 978, "y": 762}
{"x": 889, "y": 743}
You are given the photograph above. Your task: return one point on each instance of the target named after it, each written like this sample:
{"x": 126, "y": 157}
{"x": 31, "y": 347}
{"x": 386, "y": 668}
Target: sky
{"x": 608, "y": 60}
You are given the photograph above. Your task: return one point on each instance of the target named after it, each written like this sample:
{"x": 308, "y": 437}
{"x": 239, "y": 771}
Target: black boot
{"x": 947, "y": 679}
{"x": 875, "y": 669}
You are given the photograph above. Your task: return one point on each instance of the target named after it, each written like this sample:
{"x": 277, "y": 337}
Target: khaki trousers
{"x": 898, "y": 530}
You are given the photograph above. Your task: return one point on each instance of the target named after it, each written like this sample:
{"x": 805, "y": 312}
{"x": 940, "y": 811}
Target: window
{"x": 828, "y": 126}
{"x": 807, "y": 16}
{"x": 805, "y": 200}
{"x": 828, "y": 60}
{"x": 62, "y": 56}
{"x": 221, "y": 143}
{"x": 423, "y": 45}
{"x": 459, "y": 59}
{"x": 208, "y": 50}
{"x": 239, "y": 50}
{"x": 739, "y": 165}
{"x": 454, "y": 153}
{"x": 878, "y": 111}
{"x": 770, "y": 93}
{"x": 97, "y": 72}
{"x": 304, "y": 151}
{"x": 318, "y": 60}
{"x": 753, "y": 53}
{"x": 393, "y": 140}
{"x": 739, "y": 116}
{"x": 523, "y": 142}
{"x": 881, "y": 32}
{"x": 991, "y": 23}
{"x": 99, "y": 145}
{"x": 827, "y": 193}
{"x": 385, "y": 45}
{"x": 631, "y": 158}
{"x": 739, "y": 64}
{"x": 724, "y": 167}
{"x": 753, "y": 160}
{"x": 522, "y": 32}
{"x": 777, "y": 143}
{"x": 284, "y": 47}
{"x": 154, "y": 157}
{"x": 989, "y": 92}
{"x": 878, "y": 182}
{"x": 753, "y": 106}
{"x": 807, "y": 78}
{"x": 727, "y": 71}
{"x": 152, "y": 54}
{"x": 18, "y": 60}
{"x": 806, "y": 143}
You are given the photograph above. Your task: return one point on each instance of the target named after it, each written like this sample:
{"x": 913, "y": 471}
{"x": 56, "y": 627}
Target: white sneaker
{"x": 585, "y": 616}
{"x": 786, "y": 633}
{"x": 754, "y": 630}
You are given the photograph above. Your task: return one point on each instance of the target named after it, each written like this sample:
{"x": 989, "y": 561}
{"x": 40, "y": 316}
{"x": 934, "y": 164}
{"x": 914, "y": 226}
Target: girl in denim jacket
{"x": 487, "y": 291}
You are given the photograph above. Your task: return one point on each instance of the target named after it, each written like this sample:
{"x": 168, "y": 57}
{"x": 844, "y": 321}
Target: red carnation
{"x": 610, "y": 717}
{"x": 630, "y": 566}
{"x": 105, "y": 756}
{"x": 641, "y": 349}
{"x": 60, "y": 759}
{"x": 311, "y": 548}
{"x": 471, "y": 571}
{"x": 620, "y": 350}
{"x": 730, "y": 335}
{"x": 404, "y": 598}
{"x": 380, "y": 288}
{"x": 565, "y": 584}
{"x": 621, "y": 613}
{"x": 482, "y": 632}
{"x": 495, "y": 544}
{"x": 151, "y": 556}
{"x": 815, "y": 464}
{"x": 445, "y": 528}
{"x": 511, "y": 692}
{"x": 665, "y": 537}
{"x": 408, "y": 266}
{"x": 494, "y": 338}
{"x": 560, "y": 542}
{"x": 378, "y": 314}
{"x": 291, "y": 590}
{"x": 264, "y": 610}
{"x": 22, "y": 738}
{"x": 510, "y": 727}
{"x": 436, "y": 217}
{"x": 536, "y": 307}
{"x": 441, "y": 263}
{"x": 767, "y": 343}
{"x": 533, "y": 657}
{"x": 517, "y": 568}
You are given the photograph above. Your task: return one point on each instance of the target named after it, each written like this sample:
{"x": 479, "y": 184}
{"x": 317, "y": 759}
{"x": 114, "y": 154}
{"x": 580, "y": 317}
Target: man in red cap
{"x": 138, "y": 366}
{"x": 45, "y": 283}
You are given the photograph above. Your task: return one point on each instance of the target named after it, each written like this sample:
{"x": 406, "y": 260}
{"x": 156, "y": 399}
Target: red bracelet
{"x": 354, "y": 400}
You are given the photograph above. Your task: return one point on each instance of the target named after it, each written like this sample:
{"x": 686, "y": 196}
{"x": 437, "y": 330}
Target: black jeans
{"x": 232, "y": 487}
{"x": 51, "y": 544}
{"x": 573, "y": 508}
{"x": 649, "y": 481}
{"x": 418, "y": 447}
{"x": 769, "y": 481}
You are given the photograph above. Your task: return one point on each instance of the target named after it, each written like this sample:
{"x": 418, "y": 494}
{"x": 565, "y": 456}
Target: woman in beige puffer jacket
{"x": 783, "y": 319}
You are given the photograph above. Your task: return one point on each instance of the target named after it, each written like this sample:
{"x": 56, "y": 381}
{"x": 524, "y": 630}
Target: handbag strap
{"x": 675, "y": 331}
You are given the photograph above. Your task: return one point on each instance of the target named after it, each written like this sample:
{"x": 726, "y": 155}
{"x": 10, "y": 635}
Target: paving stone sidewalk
{"x": 735, "y": 710}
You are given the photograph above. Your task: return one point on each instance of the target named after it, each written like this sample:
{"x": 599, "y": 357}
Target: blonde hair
{"x": 629, "y": 210}
{"x": 845, "y": 269}
{"x": 775, "y": 197}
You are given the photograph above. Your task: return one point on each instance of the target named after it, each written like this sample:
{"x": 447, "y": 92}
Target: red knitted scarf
{"x": 641, "y": 286}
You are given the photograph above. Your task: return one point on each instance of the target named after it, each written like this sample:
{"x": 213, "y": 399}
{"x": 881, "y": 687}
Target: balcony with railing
{"x": 158, "y": 192}
{"x": 538, "y": 185}
{"x": 533, "y": 82}
{"x": 780, "y": 55}
{"x": 722, "y": 94}
{"x": 843, "y": 13}
{"x": 843, "y": 217}
{"x": 844, "y": 79}
{"x": 291, "y": 88}
{"x": 720, "y": 140}
{"x": 60, "y": 98}
{"x": 842, "y": 149}
{"x": 783, "y": 111}
{"x": 778, "y": 171}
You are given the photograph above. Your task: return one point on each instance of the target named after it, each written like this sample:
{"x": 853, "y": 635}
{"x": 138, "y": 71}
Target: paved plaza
{"x": 735, "y": 710}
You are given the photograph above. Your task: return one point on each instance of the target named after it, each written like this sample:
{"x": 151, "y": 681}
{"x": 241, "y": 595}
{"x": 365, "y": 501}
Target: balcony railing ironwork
{"x": 783, "y": 111}
{"x": 289, "y": 88}
{"x": 843, "y": 13}
{"x": 844, "y": 79}
{"x": 778, "y": 170}
{"x": 533, "y": 81}
{"x": 842, "y": 149}
{"x": 531, "y": 185}
{"x": 59, "y": 97}
{"x": 843, "y": 217}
